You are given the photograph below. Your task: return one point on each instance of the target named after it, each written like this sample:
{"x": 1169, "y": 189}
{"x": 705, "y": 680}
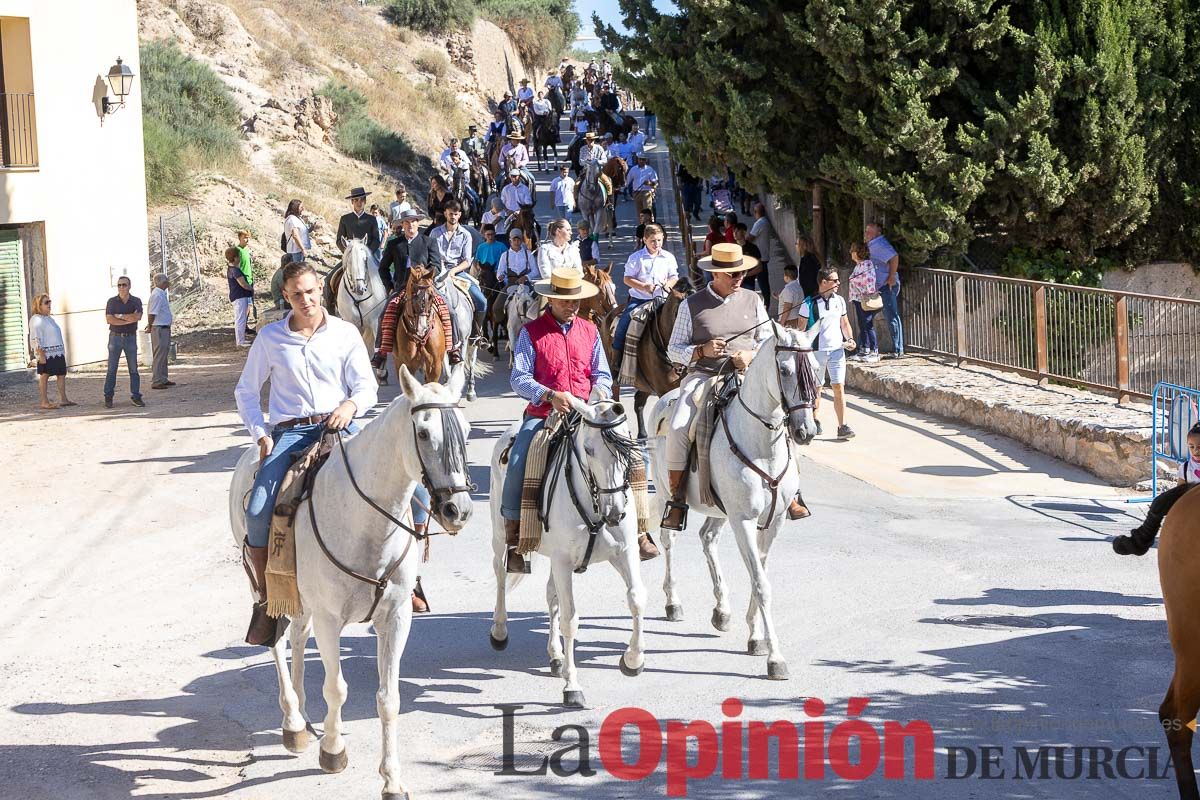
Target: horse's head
{"x": 439, "y": 445}
{"x": 608, "y": 452}
{"x": 794, "y": 380}
{"x": 356, "y": 261}
{"x": 521, "y": 302}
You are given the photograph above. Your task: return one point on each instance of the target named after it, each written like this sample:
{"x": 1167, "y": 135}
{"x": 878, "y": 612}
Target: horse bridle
{"x": 358, "y": 301}
{"x": 452, "y": 433}
{"x": 591, "y": 519}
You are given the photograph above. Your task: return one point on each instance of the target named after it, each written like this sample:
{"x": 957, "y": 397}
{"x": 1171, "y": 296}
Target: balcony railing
{"x": 1118, "y": 342}
{"x": 18, "y": 130}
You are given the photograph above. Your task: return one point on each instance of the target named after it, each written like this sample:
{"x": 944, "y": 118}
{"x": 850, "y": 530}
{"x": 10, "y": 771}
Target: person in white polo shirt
{"x": 826, "y": 312}
{"x": 649, "y": 273}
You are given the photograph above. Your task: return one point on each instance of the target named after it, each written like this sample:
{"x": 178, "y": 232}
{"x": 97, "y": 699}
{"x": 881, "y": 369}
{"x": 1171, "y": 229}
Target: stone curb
{"x": 1120, "y": 456}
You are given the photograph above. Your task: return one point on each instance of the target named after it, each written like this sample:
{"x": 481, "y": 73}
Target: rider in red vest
{"x": 556, "y": 356}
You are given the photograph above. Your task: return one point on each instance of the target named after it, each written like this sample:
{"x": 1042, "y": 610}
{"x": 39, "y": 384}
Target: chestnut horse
{"x": 420, "y": 341}
{"x": 1179, "y": 573}
{"x": 656, "y": 373}
{"x": 596, "y": 307}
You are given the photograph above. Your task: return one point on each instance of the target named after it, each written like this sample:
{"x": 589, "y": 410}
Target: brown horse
{"x": 525, "y": 220}
{"x": 420, "y": 342}
{"x": 656, "y": 373}
{"x": 1179, "y": 573}
{"x": 595, "y": 308}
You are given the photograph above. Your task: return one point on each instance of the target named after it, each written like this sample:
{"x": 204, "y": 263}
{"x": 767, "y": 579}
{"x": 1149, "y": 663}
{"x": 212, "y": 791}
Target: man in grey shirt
{"x": 158, "y": 325}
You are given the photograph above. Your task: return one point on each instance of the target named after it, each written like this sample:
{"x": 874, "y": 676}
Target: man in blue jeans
{"x": 887, "y": 278}
{"x": 321, "y": 379}
{"x": 649, "y": 273}
{"x": 122, "y": 313}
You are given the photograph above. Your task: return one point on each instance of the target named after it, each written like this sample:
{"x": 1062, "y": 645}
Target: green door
{"x": 14, "y": 343}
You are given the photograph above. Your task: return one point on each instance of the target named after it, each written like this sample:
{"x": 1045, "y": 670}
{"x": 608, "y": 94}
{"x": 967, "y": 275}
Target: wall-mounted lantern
{"x": 120, "y": 80}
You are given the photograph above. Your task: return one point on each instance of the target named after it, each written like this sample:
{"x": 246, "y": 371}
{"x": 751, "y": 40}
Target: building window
{"x": 18, "y": 121}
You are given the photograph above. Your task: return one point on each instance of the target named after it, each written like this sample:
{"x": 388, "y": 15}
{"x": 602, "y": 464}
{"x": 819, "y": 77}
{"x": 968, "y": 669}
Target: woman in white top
{"x": 46, "y": 341}
{"x": 494, "y": 215}
{"x": 558, "y": 250}
{"x": 296, "y": 232}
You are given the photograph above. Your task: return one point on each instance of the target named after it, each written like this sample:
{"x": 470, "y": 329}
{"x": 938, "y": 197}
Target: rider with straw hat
{"x": 557, "y": 356}
{"x": 717, "y": 331}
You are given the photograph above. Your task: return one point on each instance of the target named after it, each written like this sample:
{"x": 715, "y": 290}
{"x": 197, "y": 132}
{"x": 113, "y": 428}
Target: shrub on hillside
{"x": 431, "y": 16}
{"x": 541, "y": 30}
{"x": 361, "y": 137}
{"x": 434, "y": 62}
{"x": 189, "y": 119}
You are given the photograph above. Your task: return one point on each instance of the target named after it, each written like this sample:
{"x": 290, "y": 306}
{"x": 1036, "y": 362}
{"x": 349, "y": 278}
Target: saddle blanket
{"x": 637, "y": 324}
{"x": 283, "y": 596}
{"x": 532, "y": 513}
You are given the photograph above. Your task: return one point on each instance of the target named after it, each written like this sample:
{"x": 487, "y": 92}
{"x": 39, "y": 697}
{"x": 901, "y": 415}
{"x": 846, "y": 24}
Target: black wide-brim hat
{"x": 356, "y": 192}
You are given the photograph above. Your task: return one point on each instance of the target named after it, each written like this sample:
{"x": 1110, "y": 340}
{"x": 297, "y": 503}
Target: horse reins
{"x": 565, "y": 435}
{"x": 452, "y": 434}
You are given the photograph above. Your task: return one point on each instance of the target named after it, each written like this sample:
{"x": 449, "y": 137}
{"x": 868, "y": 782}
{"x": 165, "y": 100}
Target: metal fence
{"x": 1101, "y": 339}
{"x": 18, "y": 130}
{"x": 173, "y": 252}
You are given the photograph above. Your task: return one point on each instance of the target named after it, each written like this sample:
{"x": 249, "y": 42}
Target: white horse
{"x": 520, "y": 308}
{"x": 593, "y": 200}
{"x": 590, "y": 479}
{"x": 774, "y": 400}
{"x": 357, "y": 499}
{"x": 462, "y": 314}
{"x": 361, "y": 296}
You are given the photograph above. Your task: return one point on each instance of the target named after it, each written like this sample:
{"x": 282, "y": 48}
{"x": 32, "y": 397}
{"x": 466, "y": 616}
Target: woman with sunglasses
{"x": 46, "y": 339}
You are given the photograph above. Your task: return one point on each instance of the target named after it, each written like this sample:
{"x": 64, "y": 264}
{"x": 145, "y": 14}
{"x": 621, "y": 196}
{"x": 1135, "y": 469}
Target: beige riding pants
{"x": 679, "y": 442}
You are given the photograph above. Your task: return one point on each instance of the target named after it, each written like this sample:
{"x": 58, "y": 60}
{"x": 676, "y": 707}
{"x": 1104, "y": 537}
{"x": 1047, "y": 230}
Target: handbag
{"x": 872, "y": 302}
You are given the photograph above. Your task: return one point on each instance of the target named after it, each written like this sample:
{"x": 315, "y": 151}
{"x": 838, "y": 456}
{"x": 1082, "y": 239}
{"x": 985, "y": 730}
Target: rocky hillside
{"x": 275, "y": 56}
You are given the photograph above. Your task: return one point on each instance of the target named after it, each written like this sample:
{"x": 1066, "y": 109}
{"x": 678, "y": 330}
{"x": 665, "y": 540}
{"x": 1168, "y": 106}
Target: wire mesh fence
{"x": 173, "y": 252}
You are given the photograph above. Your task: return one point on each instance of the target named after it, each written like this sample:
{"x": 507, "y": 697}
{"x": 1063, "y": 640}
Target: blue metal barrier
{"x": 1175, "y": 411}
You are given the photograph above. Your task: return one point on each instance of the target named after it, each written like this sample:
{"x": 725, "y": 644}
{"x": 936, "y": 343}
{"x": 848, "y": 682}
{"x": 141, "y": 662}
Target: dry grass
{"x": 435, "y": 62}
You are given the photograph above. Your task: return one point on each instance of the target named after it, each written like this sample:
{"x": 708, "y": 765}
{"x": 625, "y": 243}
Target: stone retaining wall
{"x": 1081, "y": 428}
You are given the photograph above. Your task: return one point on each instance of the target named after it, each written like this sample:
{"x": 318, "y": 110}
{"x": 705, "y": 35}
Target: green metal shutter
{"x": 14, "y": 344}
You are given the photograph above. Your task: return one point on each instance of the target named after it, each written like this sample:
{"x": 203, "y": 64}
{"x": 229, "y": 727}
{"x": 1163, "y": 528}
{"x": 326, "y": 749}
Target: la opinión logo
{"x": 740, "y": 749}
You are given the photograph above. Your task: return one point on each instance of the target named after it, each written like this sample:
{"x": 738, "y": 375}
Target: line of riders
{"x": 527, "y": 126}
{"x": 556, "y": 356}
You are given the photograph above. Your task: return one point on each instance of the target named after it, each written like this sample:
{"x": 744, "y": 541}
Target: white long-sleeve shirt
{"x": 517, "y": 263}
{"x": 515, "y": 196}
{"x": 551, "y": 257}
{"x": 308, "y": 376}
{"x": 680, "y": 348}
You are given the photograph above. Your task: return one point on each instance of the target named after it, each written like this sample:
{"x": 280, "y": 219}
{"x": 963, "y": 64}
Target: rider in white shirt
{"x": 514, "y": 154}
{"x": 515, "y": 193}
{"x": 558, "y": 250}
{"x": 517, "y": 264}
{"x": 524, "y": 94}
{"x": 541, "y": 106}
{"x": 592, "y": 151}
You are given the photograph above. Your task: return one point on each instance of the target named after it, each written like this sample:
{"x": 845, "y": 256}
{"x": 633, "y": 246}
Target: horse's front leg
{"x": 391, "y": 631}
{"x": 745, "y": 531}
{"x": 639, "y": 404}
{"x": 498, "y": 635}
{"x": 296, "y": 727}
{"x": 674, "y": 606}
{"x": 709, "y": 532}
{"x": 569, "y": 624}
{"x": 628, "y": 565}
{"x": 328, "y": 630}
{"x": 554, "y": 649}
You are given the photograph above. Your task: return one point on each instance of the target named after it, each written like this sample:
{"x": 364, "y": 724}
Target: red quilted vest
{"x": 562, "y": 363}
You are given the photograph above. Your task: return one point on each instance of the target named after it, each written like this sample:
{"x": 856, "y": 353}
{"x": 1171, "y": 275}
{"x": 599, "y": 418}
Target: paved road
{"x": 999, "y": 615}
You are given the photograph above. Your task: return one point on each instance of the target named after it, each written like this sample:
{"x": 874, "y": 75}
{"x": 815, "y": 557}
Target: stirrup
{"x": 264, "y": 630}
{"x": 673, "y": 505}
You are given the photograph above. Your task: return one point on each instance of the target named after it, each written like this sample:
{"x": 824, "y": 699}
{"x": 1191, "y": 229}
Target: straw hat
{"x": 516, "y": 137}
{"x": 727, "y": 257}
{"x": 566, "y": 283}
{"x": 590, "y": 136}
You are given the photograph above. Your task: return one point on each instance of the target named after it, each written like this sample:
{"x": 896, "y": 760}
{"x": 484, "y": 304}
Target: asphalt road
{"x": 949, "y": 576}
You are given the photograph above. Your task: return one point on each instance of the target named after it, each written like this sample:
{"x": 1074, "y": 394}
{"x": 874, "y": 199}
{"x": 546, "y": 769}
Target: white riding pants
{"x": 679, "y": 442}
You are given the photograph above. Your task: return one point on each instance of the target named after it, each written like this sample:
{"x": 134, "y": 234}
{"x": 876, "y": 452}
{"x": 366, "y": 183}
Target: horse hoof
{"x": 573, "y": 698}
{"x": 396, "y": 796}
{"x": 498, "y": 644}
{"x": 777, "y": 670}
{"x": 334, "y": 762}
{"x": 296, "y": 741}
{"x": 556, "y": 666}
{"x": 720, "y": 620}
{"x": 756, "y": 647}
{"x": 625, "y": 669}
{"x": 472, "y": 396}
{"x": 674, "y": 613}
